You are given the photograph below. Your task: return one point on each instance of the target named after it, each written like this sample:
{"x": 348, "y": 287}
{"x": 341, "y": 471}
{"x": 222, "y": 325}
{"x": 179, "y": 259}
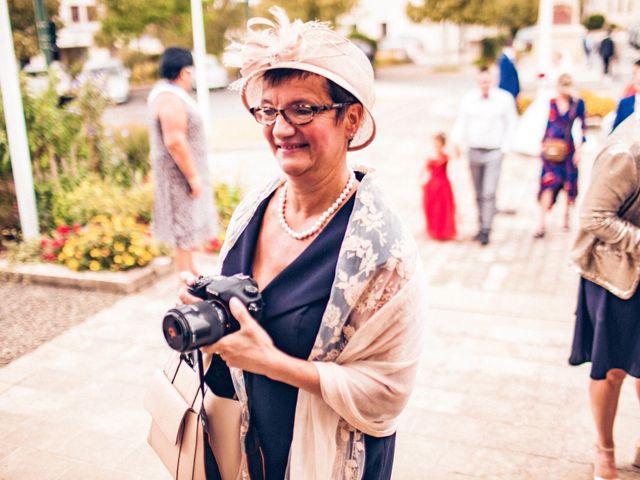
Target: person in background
{"x": 607, "y": 51}
{"x": 437, "y": 196}
{"x": 509, "y": 80}
{"x": 485, "y": 125}
{"x": 184, "y": 216}
{"x": 607, "y": 326}
{"x": 560, "y": 173}
{"x": 627, "y": 105}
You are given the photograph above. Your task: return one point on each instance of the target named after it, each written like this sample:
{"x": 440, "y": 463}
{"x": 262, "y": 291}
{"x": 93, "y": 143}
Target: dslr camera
{"x": 188, "y": 327}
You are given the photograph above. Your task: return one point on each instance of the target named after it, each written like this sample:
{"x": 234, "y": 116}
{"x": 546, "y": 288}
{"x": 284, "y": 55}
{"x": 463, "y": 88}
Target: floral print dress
{"x": 557, "y": 176}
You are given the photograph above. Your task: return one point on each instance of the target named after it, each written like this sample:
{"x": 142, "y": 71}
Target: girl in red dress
{"x": 437, "y": 200}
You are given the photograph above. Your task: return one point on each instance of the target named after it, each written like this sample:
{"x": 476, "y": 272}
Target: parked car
{"x": 111, "y": 75}
{"x": 217, "y": 76}
{"x": 37, "y": 77}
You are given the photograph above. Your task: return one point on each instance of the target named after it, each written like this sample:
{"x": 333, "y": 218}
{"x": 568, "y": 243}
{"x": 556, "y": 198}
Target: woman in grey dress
{"x": 183, "y": 212}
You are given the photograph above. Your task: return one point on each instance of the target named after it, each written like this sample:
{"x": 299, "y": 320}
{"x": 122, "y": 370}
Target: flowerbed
{"x": 112, "y": 244}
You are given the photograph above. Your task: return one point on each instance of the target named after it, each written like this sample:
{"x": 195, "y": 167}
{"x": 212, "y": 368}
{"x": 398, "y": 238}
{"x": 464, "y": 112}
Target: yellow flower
{"x": 94, "y": 265}
{"x": 94, "y": 253}
{"x": 73, "y": 264}
{"x": 68, "y": 250}
{"x": 62, "y": 257}
{"x": 141, "y": 262}
{"x": 119, "y": 247}
{"x": 117, "y": 259}
{"x": 129, "y": 261}
{"x": 78, "y": 254}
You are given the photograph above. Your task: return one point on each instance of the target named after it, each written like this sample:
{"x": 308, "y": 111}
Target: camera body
{"x": 188, "y": 327}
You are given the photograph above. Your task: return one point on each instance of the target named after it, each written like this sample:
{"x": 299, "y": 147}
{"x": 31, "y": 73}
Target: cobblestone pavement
{"x": 495, "y": 397}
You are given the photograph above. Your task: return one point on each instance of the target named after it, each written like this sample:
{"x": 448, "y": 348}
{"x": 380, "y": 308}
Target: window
{"x": 75, "y": 14}
{"x": 92, "y": 13}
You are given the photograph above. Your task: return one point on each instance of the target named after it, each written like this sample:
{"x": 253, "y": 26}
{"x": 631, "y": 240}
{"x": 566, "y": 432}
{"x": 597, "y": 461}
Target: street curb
{"x": 116, "y": 282}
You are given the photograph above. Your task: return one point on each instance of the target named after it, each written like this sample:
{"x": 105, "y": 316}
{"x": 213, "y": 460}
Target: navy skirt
{"x": 607, "y": 331}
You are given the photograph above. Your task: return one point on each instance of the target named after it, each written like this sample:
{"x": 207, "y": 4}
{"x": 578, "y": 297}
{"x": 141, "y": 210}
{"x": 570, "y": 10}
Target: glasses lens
{"x": 299, "y": 114}
{"x": 265, "y": 115}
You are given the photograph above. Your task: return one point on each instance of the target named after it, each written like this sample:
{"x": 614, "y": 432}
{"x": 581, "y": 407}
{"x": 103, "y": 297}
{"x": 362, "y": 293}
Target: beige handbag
{"x": 182, "y": 421}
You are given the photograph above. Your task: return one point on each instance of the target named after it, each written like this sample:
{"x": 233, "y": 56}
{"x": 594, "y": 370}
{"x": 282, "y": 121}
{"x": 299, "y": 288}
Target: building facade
{"x": 624, "y": 13}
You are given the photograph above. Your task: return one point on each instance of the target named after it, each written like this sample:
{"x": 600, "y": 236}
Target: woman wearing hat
{"x": 325, "y": 374}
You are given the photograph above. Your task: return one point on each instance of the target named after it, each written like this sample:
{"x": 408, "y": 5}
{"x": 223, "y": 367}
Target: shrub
{"x": 144, "y": 67}
{"x": 594, "y": 22}
{"x": 131, "y": 155}
{"x": 117, "y": 243}
{"x": 95, "y": 196}
{"x": 227, "y": 198}
{"x": 23, "y": 252}
{"x": 597, "y": 106}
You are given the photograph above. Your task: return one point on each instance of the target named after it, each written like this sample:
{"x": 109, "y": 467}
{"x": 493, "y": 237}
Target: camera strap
{"x": 201, "y": 387}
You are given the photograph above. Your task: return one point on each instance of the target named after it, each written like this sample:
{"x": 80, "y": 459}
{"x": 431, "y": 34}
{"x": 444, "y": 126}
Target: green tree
{"x": 324, "y": 10}
{"x": 23, "y": 24}
{"x": 168, "y": 20}
{"x": 511, "y": 14}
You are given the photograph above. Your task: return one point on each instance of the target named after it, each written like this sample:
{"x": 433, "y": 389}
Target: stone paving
{"x": 495, "y": 397}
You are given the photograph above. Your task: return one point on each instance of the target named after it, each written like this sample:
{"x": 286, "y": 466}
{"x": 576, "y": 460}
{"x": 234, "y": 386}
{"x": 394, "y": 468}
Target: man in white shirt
{"x": 485, "y": 125}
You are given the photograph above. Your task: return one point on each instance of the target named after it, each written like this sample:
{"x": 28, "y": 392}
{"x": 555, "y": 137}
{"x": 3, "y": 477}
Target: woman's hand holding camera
{"x": 250, "y": 348}
{"x": 184, "y": 296}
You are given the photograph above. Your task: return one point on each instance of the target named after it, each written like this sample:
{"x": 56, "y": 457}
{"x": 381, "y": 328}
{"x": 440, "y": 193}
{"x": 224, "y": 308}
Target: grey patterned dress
{"x": 178, "y": 219}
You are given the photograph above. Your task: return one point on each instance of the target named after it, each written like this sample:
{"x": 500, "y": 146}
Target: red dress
{"x": 437, "y": 201}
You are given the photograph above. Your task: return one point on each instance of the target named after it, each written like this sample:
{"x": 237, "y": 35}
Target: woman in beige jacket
{"x": 607, "y": 253}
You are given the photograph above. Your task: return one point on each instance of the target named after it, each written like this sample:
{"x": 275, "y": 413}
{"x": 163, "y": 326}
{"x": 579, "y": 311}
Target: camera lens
{"x": 188, "y": 327}
{"x": 175, "y": 329}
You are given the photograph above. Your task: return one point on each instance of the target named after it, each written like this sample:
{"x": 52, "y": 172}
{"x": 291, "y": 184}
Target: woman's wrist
{"x": 293, "y": 371}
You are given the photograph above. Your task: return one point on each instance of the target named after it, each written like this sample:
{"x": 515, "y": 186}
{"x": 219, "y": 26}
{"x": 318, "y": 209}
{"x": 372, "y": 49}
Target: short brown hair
{"x": 441, "y": 136}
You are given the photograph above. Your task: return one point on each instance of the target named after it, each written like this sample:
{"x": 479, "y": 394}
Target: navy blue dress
{"x": 295, "y": 301}
{"x": 607, "y": 331}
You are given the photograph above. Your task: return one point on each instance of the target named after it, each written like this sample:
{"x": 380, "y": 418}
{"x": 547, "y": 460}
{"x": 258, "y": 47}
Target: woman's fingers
{"x": 240, "y": 313}
{"x": 187, "y": 279}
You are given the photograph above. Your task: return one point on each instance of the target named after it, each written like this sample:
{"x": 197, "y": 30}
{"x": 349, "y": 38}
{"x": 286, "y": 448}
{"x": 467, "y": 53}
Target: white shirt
{"x": 485, "y": 122}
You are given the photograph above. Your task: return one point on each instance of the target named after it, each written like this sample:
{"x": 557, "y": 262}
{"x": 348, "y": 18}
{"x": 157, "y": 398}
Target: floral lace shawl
{"x": 368, "y": 345}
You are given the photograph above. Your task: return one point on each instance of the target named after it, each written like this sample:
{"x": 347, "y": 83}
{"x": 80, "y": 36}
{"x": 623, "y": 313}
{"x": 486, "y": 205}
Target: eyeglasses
{"x": 294, "y": 114}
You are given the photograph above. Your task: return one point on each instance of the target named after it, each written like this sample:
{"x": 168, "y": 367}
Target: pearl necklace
{"x": 319, "y": 223}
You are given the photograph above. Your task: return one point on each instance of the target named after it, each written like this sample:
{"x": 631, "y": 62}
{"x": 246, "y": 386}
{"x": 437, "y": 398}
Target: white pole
{"x": 16, "y": 129}
{"x": 199, "y": 48}
{"x": 543, "y": 43}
